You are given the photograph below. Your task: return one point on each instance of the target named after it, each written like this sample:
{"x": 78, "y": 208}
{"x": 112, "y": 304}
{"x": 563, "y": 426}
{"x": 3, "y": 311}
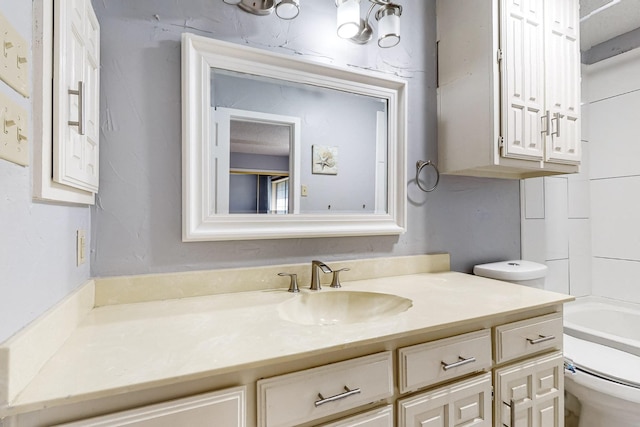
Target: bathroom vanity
{"x": 266, "y": 357}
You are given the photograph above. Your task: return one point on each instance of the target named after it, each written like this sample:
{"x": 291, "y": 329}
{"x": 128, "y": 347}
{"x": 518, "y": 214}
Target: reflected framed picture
{"x": 325, "y": 160}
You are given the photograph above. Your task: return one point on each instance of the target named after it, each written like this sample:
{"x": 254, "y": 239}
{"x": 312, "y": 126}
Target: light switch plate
{"x": 14, "y": 141}
{"x": 81, "y": 247}
{"x": 14, "y": 58}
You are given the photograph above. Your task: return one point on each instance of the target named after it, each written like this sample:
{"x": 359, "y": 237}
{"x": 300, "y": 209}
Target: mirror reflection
{"x": 259, "y": 167}
{"x": 289, "y": 148}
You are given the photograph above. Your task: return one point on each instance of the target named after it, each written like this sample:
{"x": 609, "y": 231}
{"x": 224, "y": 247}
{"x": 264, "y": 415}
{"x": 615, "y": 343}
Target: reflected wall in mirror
{"x": 354, "y": 124}
{"x": 250, "y": 120}
{"x": 254, "y": 156}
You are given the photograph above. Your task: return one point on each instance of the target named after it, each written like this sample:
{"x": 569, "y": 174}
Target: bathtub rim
{"x": 586, "y": 303}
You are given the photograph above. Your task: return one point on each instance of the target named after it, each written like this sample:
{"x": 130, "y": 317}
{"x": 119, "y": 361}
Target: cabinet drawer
{"x": 464, "y": 403}
{"x": 429, "y": 363}
{"x": 303, "y": 396}
{"x": 529, "y": 336}
{"x": 224, "y": 407}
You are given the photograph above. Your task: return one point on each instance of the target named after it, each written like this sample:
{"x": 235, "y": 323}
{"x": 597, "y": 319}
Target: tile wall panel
{"x": 612, "y": 77}
{"x": 615, "y": 214}
{"x": 556, "y": 217}
{"x": 614, "y": 129}
{"x": 578, "y": 188}
{"x": 616, "y": 279}
{"x": 580, "y": 257}
{"x": 534, "y": 242}
{"x": 533, "y": 190}
{"x": 558, "y": 276}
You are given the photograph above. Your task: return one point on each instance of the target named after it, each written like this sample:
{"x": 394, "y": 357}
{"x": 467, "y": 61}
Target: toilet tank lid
{"x": 511, "y": 270}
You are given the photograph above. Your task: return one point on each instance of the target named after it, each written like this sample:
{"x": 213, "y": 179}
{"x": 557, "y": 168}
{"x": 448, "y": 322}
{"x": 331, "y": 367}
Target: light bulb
{"x": 388, "y": 18}
{"x": 288, "y": 9}
{"x": 348, "y": 18}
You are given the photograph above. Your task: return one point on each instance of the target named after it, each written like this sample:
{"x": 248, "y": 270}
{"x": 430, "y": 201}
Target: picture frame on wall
{"x": 325, "y": 160}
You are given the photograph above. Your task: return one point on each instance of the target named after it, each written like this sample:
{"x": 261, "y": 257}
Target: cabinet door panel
{"x": 382, "y": 417}
{"x": 563, "y": 81}
{"x": 465, "y": 403}
{"x": 523, "y": 78}
{"x": 533, "y": 389}
{"x": 76, "y": 92}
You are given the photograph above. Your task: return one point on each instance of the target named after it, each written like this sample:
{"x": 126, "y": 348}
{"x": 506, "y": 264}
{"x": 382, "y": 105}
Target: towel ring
{"x": 419, "y": 166}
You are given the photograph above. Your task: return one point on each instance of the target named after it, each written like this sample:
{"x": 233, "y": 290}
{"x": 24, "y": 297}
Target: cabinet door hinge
{"x": 492, "y": 393}
{"x": 500, "y": 142}
{"x": 499, "y": 55}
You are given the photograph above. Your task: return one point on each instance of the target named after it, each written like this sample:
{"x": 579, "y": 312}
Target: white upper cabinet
{"x": 76, "y": 92}
{"x": 508, "y": 87}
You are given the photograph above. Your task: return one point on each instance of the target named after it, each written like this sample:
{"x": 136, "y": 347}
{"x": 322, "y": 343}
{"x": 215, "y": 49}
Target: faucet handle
{"x": 335, "y": 281}
{"x": 293, "y": 286}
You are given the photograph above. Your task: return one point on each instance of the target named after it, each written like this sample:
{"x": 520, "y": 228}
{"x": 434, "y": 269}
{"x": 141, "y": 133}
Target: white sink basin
{"x": 334, "y": 307}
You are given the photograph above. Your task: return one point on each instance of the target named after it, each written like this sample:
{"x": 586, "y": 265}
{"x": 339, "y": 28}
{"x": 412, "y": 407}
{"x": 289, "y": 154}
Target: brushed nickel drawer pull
{"x": 347, "y": 393}
{"x": 80, "y": 123}
{"x": 541, "y": 339}
{"x": 462, "y": 361}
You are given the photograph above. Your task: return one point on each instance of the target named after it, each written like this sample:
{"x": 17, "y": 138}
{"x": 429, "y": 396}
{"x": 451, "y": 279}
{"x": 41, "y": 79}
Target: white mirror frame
{"x": 199, "y": 56}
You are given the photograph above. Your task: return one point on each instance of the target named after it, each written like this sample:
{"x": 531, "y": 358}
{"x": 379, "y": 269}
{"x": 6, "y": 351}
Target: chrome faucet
{"x": 316, "y": 266}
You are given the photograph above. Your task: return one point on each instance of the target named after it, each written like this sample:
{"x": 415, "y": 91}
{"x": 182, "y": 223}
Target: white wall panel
{"x": 580, "y": 257}
{"x": 579, "y": 188}
{"x": 558, "y": 276}
{"x": 534, "y": 242}
{"x": 614, "y": 133}
{"x": 615, "y": 215}
{"x": 616, "y": 279}
{"x": 601, "y": 85}
{"x": 533, "y": 191}
{"x": 557, "y": 217}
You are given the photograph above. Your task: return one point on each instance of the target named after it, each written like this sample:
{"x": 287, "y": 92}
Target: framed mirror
{"x": 275, "y": 146}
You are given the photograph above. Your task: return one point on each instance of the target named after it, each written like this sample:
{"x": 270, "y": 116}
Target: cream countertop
{"x": 127, "y": 347}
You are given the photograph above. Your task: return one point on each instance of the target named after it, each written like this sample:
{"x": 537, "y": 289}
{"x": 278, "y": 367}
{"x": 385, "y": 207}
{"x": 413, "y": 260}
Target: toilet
{"x": 520, "y": 272}
{"x": 605, "y": 400}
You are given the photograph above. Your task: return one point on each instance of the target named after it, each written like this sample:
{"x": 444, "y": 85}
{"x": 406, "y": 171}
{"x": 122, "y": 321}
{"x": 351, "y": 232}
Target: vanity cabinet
{"x": 436, "y": 364}
{"x": 220, "y": 408}
{"x": 508, "y": 87}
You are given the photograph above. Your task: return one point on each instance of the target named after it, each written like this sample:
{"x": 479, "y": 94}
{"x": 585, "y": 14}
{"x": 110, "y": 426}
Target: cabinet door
{"x": 522, "y": 78}
{"x": 76, "y": 95}
{"x": 382, "y": 417}
{"x": 562, "y": 58}
{"x": 530, "y": 393}
{"x": 465, "y": 403}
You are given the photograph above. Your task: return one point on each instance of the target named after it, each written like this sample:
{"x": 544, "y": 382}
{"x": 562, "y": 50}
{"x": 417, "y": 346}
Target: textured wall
{"x": 137, "y": 221}
{"x": 37, "y": 241}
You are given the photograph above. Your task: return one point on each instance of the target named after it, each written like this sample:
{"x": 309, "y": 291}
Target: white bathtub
{"x": 602, "y": 339}
{"x": 608, "y": 322}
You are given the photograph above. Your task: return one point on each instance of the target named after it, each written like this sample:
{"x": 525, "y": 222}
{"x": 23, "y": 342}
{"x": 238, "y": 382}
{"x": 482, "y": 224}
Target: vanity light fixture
{"x": 350, "y": 25}
{"x": 285, "y": 9}
{"x": 358, "y": 30}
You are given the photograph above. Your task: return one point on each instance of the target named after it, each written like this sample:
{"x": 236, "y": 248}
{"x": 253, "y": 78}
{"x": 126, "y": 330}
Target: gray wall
{"x": 137, "y": 221}
{"x": 37, "y": 241}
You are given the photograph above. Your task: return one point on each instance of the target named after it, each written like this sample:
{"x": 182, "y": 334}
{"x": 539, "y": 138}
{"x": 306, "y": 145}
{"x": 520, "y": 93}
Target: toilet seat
{"x": 606, "y": 383}
{"x": 604, "y": 362}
